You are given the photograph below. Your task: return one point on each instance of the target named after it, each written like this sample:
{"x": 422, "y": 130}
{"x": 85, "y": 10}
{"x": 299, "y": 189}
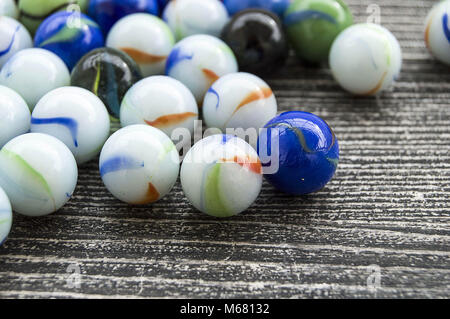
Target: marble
{"x": 131, "y": 34}
{"x": 75, "y": 116}
{"x": 162, "y": 102}
{"x": 190, "y": 17}
{"x": 5, "y": 216}
{"x": 437, "y": 31}
{"x": 277, "y": 6}
{"x": 366, "y": 59}
{"x": 200, "y": 60}
{"x": 307, "y": 152}
{"x": 139, "y": 164}
{"x": 221, "y": 175}
{"x": 9, "y": 8}
{"x": 258, "y": 41}
{"x": 313, "y": 25}
{"x": 239, "y": 100}
{"x": 13, "y": 38}
{"x": 14, "y": 115}
{"x": 109, "y": 74}
{"x": 33, "y": 12}
{"x": 107, "y": 12}
{"x": 38, "y": 173}
{"x": 69, "y": 35}
{"x": 48, "y": 72}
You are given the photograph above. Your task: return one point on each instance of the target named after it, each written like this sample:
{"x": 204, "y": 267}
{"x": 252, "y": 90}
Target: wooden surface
{"x": 389, "y": 206}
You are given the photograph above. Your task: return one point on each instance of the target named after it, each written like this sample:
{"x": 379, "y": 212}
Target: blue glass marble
{"x": 69, "y": 35}
{"x": 308, "y": 152}
{"x": 277, "y": 6}
{"x": 108, "y": 12}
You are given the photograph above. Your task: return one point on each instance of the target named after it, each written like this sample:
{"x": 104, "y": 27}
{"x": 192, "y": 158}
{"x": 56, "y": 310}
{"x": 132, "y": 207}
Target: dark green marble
{"x": 108, "y": 73}
{"x": 312, "y": 26}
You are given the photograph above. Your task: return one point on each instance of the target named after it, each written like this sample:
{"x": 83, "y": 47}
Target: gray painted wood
{"x": 389, "y": 205}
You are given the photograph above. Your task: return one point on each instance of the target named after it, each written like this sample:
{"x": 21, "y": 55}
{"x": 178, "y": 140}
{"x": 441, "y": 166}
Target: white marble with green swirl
{"x": 366, "y": 59}
{"x": 221, "y": 175}
{"x": 38, "y": 173}
{"x": 5, "y": 216}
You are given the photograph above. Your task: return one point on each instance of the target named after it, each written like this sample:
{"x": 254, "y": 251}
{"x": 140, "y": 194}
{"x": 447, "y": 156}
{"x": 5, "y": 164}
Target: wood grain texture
{"x": 389, "y": 205}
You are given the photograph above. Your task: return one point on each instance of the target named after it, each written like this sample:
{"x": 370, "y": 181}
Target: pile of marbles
{"x": 71, "y": 70}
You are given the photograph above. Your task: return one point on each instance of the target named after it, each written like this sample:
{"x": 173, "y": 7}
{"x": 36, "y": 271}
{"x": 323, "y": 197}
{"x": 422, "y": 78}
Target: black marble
{"x": 258, "y": 40}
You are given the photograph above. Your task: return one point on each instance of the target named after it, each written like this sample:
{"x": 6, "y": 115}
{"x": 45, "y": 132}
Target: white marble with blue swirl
{"x": 75, "y": 116}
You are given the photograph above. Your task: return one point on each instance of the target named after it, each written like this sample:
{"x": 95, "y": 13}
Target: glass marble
{"x": 38, "y": 173}
{"x": 108, "y": 12}
{"x": 258, "y": 40}
{"x": 75, "y": 116}
{"x": 437, "y": 31}
{"x": 139, "y": 164}
{"x": 131, "y": 35}
{"x": 308, "y": 152}
{"x": 33, "y": 12}
{"x": 239, "y": 100}
{"x": 200, "y": 60}
{"x": 34, "y": 72}
{"x": 365, "y": 59}
{"x": 189, "y": 17}
{"x": 221, "y": 175}
{"x": 14, "y": 115}
{"x": 162, "y": 102}
{"x": 108, "y": 73}
{"x": 9, "y": 8}
{"x": 69, "y": 35}
{"x": 13, "y": 38}
{"x": 5, "y": 216}
{"x": 276, "y": 6}
{"x": 312, "y": 26}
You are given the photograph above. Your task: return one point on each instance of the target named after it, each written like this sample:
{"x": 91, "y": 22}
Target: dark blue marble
{"x": 277, "y": 6}
{"x": 69, "y": 35}
{"x": 308, "y": 152}
{"x": 108, "y": 12}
